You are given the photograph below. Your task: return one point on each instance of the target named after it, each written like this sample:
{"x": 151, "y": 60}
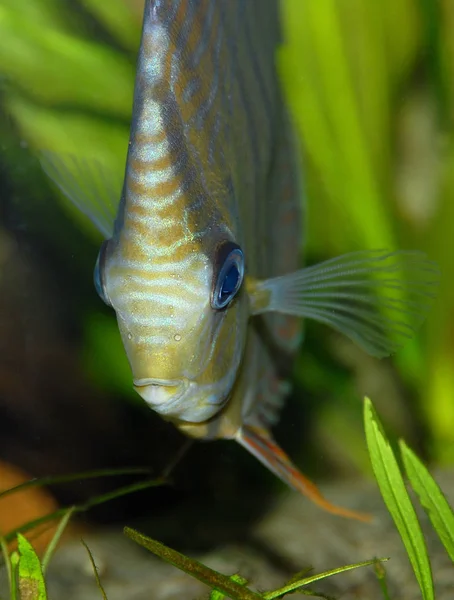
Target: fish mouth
{"x": 161, "y": 391}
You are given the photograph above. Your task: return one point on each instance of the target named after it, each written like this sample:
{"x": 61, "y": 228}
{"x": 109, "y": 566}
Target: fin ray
{"x": 261, "y": 445}
{"x": 377, "y": 298}
{"x": 88, "y": 185}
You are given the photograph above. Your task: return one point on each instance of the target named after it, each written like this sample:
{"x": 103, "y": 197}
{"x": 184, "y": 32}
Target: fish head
{"x": 183, "y": 323}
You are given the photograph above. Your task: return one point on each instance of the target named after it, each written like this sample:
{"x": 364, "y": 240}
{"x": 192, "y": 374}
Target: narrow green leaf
{"x": 7, "y": 560}
{"x": 217, "y": 595}
{"x": 431, "y": 497}
{"x": 31, "y": 578}
{"x": 300, "y": 575}
{"x": 381, "y": 576}
{"x": 222, "y": 583}
{"x": 95, "y": 570}
{"x": 238, "y": 578}
{"x": 293, "y": 586}
{"x": 123, "y": 491}
{"x": 14, "y": 564}
{"x": 56, "y": 538}
{"x": 53, "y": 480}
{"x": 396, "y": 498}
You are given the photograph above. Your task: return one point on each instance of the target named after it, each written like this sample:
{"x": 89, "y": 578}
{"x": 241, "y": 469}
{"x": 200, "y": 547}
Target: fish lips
{"x": 161, "y": 393}
{"x": 177, "y": 399}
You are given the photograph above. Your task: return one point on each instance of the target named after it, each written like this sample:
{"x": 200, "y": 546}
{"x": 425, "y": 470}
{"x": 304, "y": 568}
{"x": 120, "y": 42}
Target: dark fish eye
{"x": 230, "y": 263}
{"x": 98, "y": 274}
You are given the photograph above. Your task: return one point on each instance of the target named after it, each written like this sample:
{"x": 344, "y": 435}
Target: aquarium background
{"x": 371, "y": 87}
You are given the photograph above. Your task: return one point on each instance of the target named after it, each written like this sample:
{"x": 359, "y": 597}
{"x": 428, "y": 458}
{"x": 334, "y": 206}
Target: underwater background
{"x": 371, "y": 89}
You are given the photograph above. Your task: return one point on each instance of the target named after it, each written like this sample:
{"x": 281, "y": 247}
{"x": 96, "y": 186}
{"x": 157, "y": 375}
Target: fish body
{"x": 201, "y": 260}
{"x": 209, "y": 164}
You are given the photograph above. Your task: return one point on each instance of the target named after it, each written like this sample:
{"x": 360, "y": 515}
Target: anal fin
{"x": 260, "y": 443}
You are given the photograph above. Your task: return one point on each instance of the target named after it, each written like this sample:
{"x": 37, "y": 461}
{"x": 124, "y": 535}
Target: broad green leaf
{"x": 70, "y": 131}
{"x": 54, "y": 67}
{"x": 44, "y": 13}
{"x": 326, "y": 104}
{"x": 397, "y": 500}
{"x": 438, "y": 386}
{"x": 120, "y": 18}
{"x": 31, "y": 578}
{"x": 431, "y": 497}
{"x": 221, "y": 583}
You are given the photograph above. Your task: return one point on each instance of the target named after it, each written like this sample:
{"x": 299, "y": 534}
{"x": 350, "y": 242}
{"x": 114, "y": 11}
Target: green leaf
{"x": 56, "y": 479}
{"x": 119, "y": 18}
{"x": 56, "y": 538}
{"x": 95, "y": 570}
{"x": 31, "y": 578}
{"x": 380, "y": 572}
{"x": 117, "y": 493}
{"x": 431, "y": 497}
{"x": 217, "y": 595}
{"x": 54, "y": 67}
{"x": 294, "y": 586}
{"x": 14, "y": 558}
{"x": 222, "y": 583}
{"x": 235, "y": 585}
{"x": 397, "y": 500}
{"x": 7, "y": 560}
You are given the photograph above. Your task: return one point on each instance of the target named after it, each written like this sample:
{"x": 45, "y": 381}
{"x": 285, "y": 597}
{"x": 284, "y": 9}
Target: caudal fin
{"x": 260, "y": 443}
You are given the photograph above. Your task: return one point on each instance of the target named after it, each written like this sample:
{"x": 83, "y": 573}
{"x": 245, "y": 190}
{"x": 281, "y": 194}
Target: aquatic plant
{"x": 26, "y": 572}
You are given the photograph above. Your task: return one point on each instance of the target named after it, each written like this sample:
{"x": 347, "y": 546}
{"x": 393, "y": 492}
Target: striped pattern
{"x": 209, "y": 160}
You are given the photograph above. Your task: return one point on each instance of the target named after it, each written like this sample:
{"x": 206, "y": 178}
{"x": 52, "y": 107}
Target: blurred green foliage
{"x": 371, "y": 93}
{"x": 370, "y": 86}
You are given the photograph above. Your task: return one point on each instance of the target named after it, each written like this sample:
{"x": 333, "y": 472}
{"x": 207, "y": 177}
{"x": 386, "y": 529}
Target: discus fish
{"x": 201, "y": 254}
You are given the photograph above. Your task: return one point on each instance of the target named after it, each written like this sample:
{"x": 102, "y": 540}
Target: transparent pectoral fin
{"x": 377, "y": 298}
{"x": 260, "y": 443}
{"x": 89, "y": 185}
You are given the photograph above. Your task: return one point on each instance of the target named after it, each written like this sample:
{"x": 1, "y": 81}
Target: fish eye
{"x": 230, "y": 261}
{"x": 98, "y": 274}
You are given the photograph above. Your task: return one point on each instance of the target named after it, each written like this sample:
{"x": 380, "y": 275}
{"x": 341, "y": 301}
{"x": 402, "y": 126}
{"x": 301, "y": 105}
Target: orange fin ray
{"x": 260, "y": 443}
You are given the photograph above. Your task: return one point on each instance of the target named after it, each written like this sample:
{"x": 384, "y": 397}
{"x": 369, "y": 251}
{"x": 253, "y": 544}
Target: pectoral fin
{"x": 89, "y": 185}
{"x": 375, "y": 297}
{"x": 260, "y": 443}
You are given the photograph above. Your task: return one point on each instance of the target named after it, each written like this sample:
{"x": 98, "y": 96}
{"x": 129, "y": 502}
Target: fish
{"x": 201, "y": 254}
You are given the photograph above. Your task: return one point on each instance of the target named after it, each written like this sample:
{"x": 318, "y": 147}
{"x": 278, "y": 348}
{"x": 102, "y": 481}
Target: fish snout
{"x": 156, "y": 392}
